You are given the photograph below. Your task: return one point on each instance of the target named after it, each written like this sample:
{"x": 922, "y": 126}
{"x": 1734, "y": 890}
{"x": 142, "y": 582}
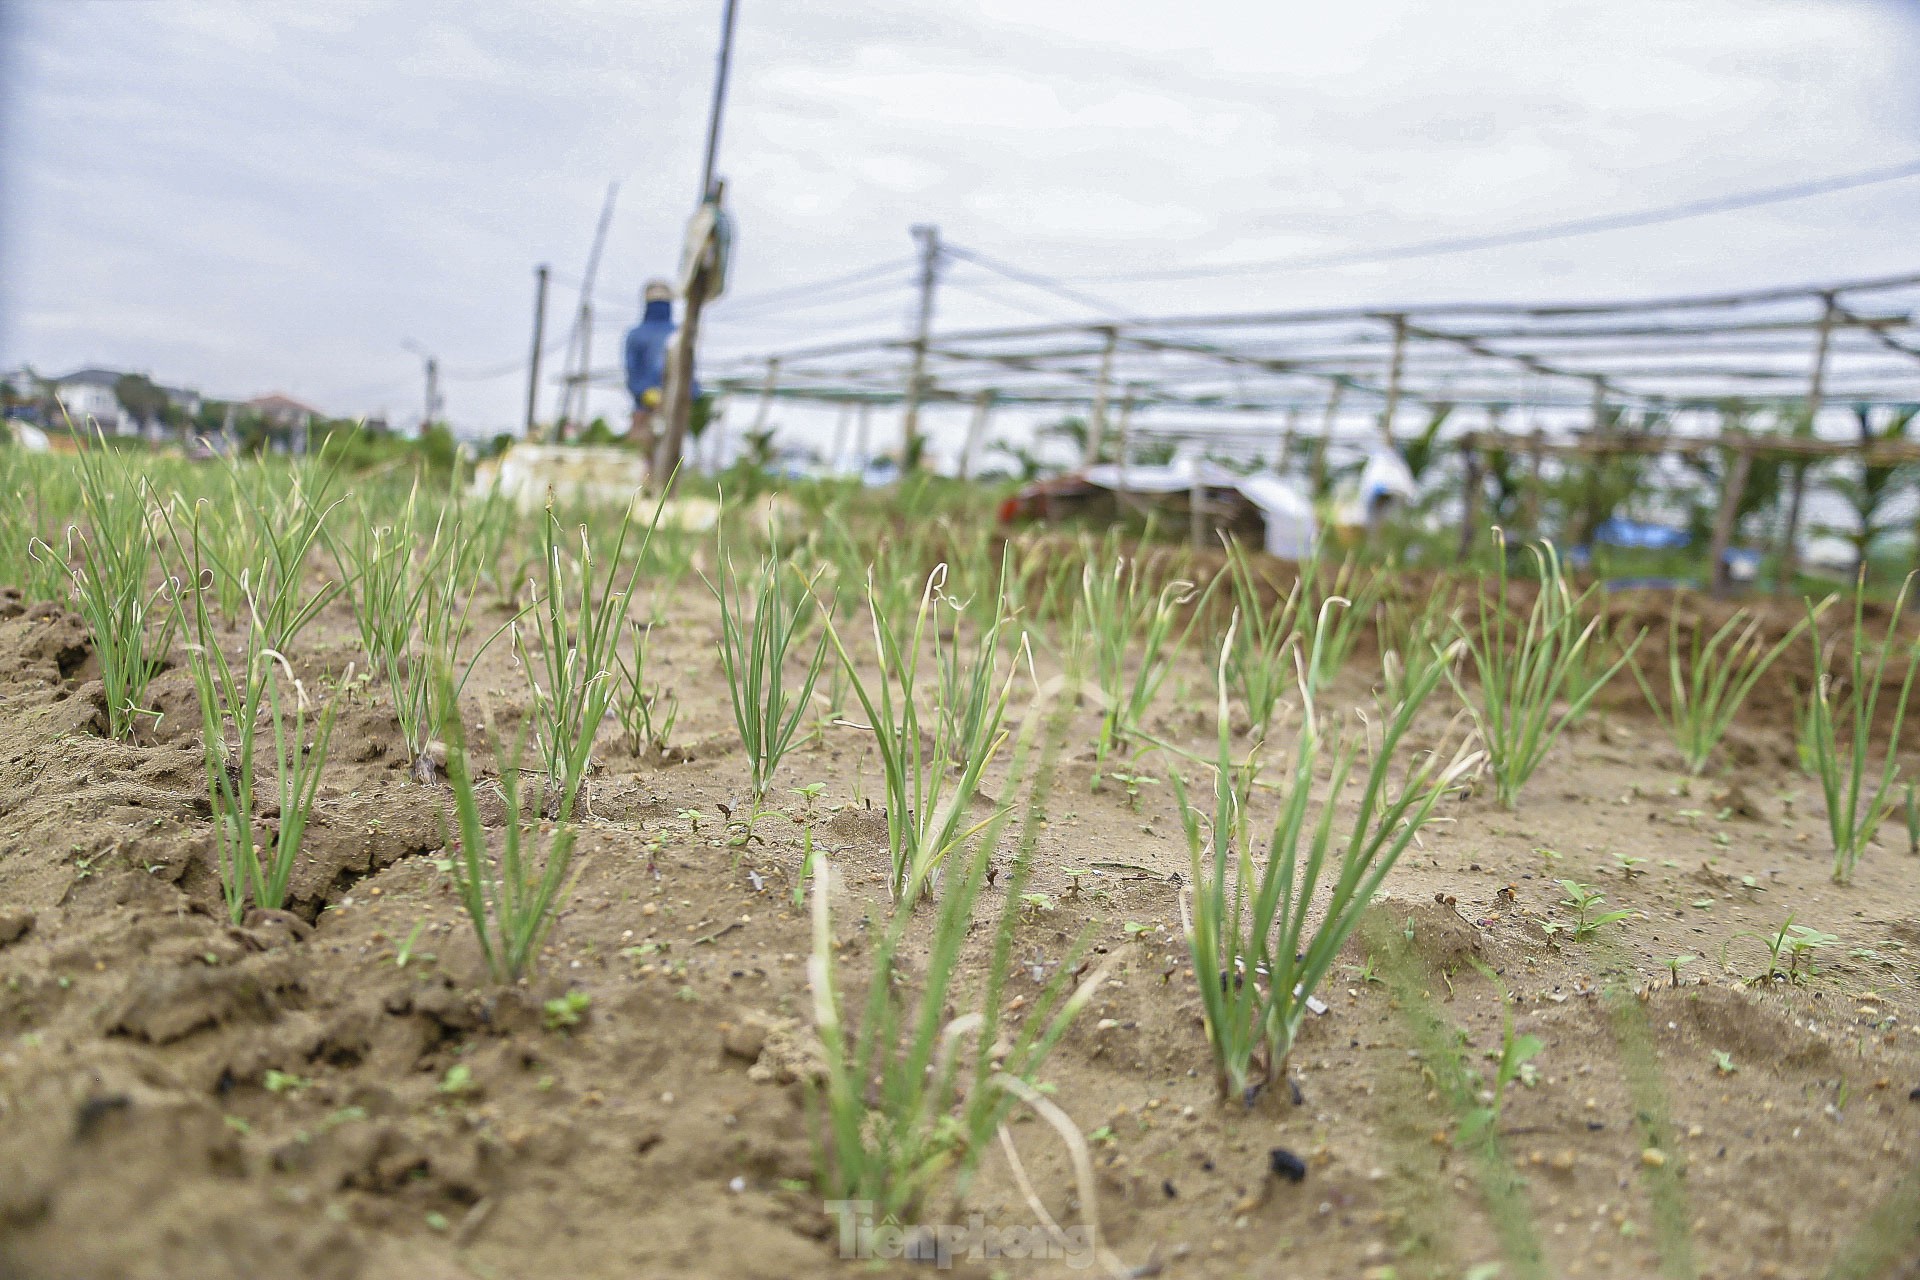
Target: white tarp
{"x": 1288, "y": 513}
{"x": 1385, "y": 476}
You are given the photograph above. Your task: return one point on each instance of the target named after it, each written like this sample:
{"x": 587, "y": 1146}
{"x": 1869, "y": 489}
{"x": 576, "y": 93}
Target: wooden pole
{"x": 539, "y": 340}
{"x": 976, "y": 431}
{"x": 1796, "y": 498}
{"x": 677, "y": 404}
{"x": 860, "y": 439}
{"x": 1317, "y": 471}
{"x": 1287, "y": 433}
{"x": 1727, "y": 518}
{"x": 678, "y": 394}
{"x": 1470, "y": 497}
{"x": 1097, "y": 420}
{"x": 1395, "y": 365}
{"x": 929, "y": 238}
{"x": 1582, "y": 525}
{"x": 1536, "y": 452}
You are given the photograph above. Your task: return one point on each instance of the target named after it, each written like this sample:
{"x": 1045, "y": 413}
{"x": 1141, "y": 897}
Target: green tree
{"x": 1766, "y": 479}
{"x": 1867, "y": 493}
{"x": 137, "y": 394}
{"x": 1421, "y": 451}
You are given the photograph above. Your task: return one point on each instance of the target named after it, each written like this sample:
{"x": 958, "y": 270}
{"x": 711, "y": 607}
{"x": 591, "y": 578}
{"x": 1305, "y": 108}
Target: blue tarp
{"x": 1640, "y": 536}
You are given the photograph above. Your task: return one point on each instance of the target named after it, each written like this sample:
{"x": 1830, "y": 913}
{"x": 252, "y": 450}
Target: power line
{"x": 981, "y": 290}
{"x": 501, "y": 370}
{"x": 821, "y": 297}
{"x": 1035, "y": 280}
{"x": 1534, "y": 235}
{"x": 832, "y": 282}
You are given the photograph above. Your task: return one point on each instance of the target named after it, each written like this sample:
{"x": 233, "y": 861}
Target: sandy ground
{"x": 1719, "y": 1127}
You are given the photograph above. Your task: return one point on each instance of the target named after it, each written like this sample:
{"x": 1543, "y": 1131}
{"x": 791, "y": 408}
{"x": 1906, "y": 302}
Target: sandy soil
{"x": 665, "y": 1135}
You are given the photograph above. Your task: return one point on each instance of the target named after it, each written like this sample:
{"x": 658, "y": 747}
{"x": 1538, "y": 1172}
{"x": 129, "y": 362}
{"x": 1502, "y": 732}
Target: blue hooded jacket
{"x": 647, "y": 349}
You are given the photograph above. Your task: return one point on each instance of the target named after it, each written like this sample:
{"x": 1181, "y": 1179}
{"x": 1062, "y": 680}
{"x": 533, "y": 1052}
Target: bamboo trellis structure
{"x": 1581, "y": 367}
{"x": 1858, "y": 339}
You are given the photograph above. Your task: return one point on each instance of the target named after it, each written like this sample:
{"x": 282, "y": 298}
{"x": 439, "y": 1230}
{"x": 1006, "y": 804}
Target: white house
{"x": 87, "y": 396}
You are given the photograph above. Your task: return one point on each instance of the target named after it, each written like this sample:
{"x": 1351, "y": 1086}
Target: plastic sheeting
{"x": 1288, "y": 514}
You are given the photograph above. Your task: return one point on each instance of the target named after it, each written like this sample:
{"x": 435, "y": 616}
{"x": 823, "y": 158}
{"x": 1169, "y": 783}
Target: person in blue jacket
{"x": 646, "y": 357}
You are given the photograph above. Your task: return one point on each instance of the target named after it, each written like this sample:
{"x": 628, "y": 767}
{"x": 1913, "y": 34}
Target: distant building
{"x": 87, "y": 396}
{"x": 283, "y": 412}
{"x": 288, "y": 422}
{"x": 92, "y": 396}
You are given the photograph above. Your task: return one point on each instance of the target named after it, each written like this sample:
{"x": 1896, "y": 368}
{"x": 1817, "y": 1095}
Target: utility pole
{"x": 1796, "y": 496}
{"x": 580, "y": 347}
{"x": 432, "y": 368}
{"x": 703, "y": 273}
{"x": 929, "y": 237}
{"x": 539, "y": 339}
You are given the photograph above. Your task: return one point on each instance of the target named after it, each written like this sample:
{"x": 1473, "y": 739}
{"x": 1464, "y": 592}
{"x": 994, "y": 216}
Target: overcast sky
{"x": 255, "y": 196}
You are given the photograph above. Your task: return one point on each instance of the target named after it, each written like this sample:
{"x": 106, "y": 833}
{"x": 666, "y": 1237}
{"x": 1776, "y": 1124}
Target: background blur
{"x": 245, "y": 198}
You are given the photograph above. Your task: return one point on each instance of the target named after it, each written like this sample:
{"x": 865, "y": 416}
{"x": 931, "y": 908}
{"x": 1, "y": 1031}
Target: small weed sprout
{"x": 1674, "y": 965}
{"x": 1512, "y": 1063}
{"x": 1913, "y": 820}
{"x": 404, "y": 955}
{"x": 1858, "y": 798}
{"x": 1797, "y": 943}
{"x": 1723, "y": 1063}
{"x": 808, "y": 855}
{"x": 1525, "y": 671}
{"x": 1133, "y": 782}
{"x": 1257, "y": 960}
{"x": 565, "y": 1012}
{"x": 1585, "y": 901}
{"x": 1707, "y": 683}
{"x": 1802, "y": 942}
{"x": 283, "y": 1082}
